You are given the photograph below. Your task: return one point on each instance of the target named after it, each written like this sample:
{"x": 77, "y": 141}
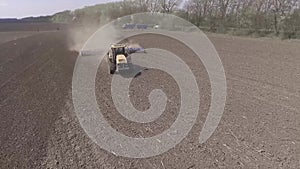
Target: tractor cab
{"x": 118, "y": 49}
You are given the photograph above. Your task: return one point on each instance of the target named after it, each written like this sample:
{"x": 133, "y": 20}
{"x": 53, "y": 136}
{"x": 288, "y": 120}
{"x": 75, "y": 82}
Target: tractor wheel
{"x": 111, "y": 68}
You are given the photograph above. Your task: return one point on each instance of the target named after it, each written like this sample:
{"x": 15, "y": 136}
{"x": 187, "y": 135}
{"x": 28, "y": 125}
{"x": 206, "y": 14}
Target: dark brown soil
{"x": 259, "y": 129}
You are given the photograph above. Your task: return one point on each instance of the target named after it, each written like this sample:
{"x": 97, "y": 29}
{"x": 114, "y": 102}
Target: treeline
{"x": 240, "y": 17}
{"x": 260, "y": 17}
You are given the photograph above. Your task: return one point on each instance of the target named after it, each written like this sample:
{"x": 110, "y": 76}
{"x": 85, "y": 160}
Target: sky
{"x": 26, "y": 8}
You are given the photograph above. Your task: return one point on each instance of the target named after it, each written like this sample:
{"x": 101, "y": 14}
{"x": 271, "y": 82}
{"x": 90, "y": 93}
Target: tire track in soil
{"x": 39, "y": 128}
{"x": 31, "y": 101}
{"x": 70, "y": 147}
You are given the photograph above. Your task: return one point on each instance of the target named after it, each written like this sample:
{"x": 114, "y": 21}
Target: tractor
{"x": 118, "y": 59}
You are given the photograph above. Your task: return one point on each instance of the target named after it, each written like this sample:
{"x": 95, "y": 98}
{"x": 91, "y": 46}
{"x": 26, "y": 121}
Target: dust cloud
{"x": 78, "y": 36}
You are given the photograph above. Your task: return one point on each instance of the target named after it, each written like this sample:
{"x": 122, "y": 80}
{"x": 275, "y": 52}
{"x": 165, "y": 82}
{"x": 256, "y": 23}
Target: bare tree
{"x": 280, "y": 9}
{"x": 167, "y": 6}
{"x": 153, "y": 6}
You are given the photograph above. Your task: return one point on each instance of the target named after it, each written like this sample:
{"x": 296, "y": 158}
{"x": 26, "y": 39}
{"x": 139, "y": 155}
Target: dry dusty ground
{"x": 10, "y": 36}
{"x": 14, "y": 31}
{"x": 259, "y": 129}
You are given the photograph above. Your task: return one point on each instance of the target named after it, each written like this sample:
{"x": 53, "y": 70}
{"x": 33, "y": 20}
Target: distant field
{"x": 10, "y": 36}
{"x": 14, "y": 31}
{"x": 43, "y": 26}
